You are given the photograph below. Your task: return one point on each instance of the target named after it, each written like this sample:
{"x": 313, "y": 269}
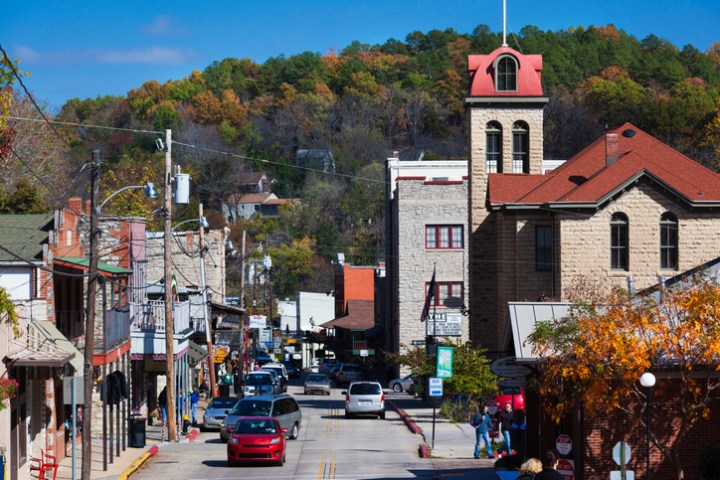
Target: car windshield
{"x": 221, "y": 403}
{"x": 255, "y": 426}
{"x": 252, "y": 408}
{"x": 510, "y": 390}
{"x": 351, "y": 368}
{"x": 317, "y": 378}
{"x": 259, "y": 380}
{"x": 365, "y": 389}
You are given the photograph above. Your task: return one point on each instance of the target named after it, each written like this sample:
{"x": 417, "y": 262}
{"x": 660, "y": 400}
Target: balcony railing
{"x": 150, "y": 317}
{"x": 117, "y": 329}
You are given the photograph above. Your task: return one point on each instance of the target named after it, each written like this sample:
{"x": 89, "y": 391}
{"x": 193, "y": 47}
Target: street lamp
{"x": 647, "y": 380}
{"x": 150, "y": 192}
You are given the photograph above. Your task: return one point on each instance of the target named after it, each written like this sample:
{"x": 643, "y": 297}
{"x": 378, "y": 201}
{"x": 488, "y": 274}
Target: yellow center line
{"x": 321, "y": 472}
{"x": 332, "y": 467}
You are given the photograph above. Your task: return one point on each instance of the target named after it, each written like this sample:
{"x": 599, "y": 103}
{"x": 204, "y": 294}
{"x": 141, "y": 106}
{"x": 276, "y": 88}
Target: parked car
{"x": 348, "y": 373}
{"x": 364, "y": 398}
{"x": 216, "y": 412}
{"x": 282, "y": 407}
{"x": 317, "y": 382}
{"x": 332, "y": 374}
{"x": 277, "y": 386}
{"x": 327, "y": 365}
{"x": 282, "y": 374}
{"x": 293, "y": 370}
{"x": 403, "y": 384}
{"x": 314, "y": 369}
{"x": 263, "y": 359}
{"x": 512, "y": 394}
{"x": 257, "y": 439}
{"x": 258, "y": 383}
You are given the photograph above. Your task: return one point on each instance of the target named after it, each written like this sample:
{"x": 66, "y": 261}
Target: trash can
{"x": 136, "y": 431}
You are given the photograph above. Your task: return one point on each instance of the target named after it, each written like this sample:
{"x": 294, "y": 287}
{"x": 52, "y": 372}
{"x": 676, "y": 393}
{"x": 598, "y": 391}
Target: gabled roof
{"x": 257, "y": 198}
{"x": 24, "y": 235}
{"x": 360, "y": 316}
{"x": 247, "y": 177}
{"x": 588, "y": 180}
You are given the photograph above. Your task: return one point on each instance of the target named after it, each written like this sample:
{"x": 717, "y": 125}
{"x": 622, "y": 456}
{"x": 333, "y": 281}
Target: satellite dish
{"x": 453, "y": 302}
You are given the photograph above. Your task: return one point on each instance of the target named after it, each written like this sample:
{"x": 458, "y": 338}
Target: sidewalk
{"x": 127, "y": 462}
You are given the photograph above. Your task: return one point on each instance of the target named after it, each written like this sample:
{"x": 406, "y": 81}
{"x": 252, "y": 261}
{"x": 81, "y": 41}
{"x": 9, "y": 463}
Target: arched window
{"x": 619, "y": 247}
{"x": 493, "y": 148}
{"x": 669, "y": 241}
{"x": 506, "y": 74}
{"x": 521, "y": 145}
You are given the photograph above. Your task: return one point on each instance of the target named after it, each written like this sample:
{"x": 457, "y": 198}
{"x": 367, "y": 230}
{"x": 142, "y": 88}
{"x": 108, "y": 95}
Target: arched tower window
{"x": 493, "y": 148}
{"x": 669, "y": 241}
{"x": 506, "y": 74}
{"x": 521, "y": 147}
{"x": 619, "y": 242}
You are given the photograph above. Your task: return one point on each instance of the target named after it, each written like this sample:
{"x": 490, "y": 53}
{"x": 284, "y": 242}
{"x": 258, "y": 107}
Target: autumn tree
{"x": 596, "y": 355}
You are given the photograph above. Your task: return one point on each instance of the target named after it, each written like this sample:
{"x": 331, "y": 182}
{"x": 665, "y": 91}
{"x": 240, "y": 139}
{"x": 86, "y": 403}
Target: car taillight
{"x": 347, "y": 398}
{"x": 382, "y": 397}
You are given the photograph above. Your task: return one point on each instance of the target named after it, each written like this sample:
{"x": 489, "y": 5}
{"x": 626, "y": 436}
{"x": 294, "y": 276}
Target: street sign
{"x": 506, "y": 367}
{"x": 515, "y": 382}
{"x": 566, "y": 468}
{"x": 363, "y": 353}
{"x": 621, "y": 453}
{"x": 435, "y": 387}
{"x": 258, "y": 321}
{"x": 417, "y": 342}
{"x": 444, "y": 324}
{"x": 617, "y": 475}
{"x": 444, "y": 362}
{"x": 563, "y": 444}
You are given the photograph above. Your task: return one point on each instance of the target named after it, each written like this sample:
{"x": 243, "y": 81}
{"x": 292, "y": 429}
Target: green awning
{"x": 84, "y": 262}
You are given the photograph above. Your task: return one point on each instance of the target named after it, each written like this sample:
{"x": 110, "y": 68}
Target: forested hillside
{"x": 361, "y": 104}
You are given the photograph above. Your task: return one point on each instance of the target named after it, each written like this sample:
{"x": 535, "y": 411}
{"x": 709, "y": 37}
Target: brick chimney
{"x": 611, "y": 149}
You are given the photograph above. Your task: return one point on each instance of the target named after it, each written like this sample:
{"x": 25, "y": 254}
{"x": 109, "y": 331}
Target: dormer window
{"x": 506, "y": 74}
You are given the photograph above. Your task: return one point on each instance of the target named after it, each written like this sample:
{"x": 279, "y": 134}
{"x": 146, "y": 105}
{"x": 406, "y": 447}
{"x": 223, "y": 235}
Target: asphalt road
{"x": 329, "y": 447}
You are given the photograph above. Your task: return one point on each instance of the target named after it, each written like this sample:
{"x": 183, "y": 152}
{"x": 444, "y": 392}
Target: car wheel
{"x": 397, "y": 388}
{"x": 232, "y": 464}
{"x": 328, "y": 393}
{"x": 382, "y": 415}
{"x": 294, "y": 432}
{"x": 348, "y": 414}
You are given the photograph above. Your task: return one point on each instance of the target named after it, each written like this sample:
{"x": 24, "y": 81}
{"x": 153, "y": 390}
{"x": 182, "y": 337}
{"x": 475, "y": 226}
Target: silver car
{"x": 317, "y": 383}
{"x": 406, "y": 384}
{"x": 216, "y": 412}
{"x": 348, "y": 373}
{"x": 283, "y": 407}
{"x": 258, "y": 383}
{"x": 364, "y": 398}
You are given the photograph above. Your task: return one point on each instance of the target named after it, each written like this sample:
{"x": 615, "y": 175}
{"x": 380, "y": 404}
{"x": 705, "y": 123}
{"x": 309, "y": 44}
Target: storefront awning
{"x": 84, "y": 264}
{"x": 196, "y": 353}
{"x": 45, "y": 346}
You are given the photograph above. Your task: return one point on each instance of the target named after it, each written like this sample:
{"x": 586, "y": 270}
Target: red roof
{"x": 588, "y": 179}
{"x": 360, "y": 316}
{"x": 482, "y": 74}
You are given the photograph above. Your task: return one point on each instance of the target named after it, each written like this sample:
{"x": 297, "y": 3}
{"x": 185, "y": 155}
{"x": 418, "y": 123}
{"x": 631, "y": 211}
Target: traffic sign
{"x": 363, "y": 353}
{"x": 508, "y": 368}
{"x": 621, "y": 453}
{"x": 563, "y": 444}
{"x": 417, "y": 342}
{"x": 617, "y": 475}
{"x": 566, "y": 468}
{"x": 436, "y": 387}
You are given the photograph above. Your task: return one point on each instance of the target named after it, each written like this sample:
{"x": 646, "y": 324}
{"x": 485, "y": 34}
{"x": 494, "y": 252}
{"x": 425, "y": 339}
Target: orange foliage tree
{"x": 597, "y": 353}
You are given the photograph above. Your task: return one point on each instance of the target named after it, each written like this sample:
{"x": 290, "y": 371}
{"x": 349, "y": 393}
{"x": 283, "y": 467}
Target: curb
{"x": 135, "y": 466}
{"x": 423, "y": 449}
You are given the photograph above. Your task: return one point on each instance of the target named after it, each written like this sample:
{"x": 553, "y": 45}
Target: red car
{"x": 257, "y": 439}
{"x": 512, "y": 394}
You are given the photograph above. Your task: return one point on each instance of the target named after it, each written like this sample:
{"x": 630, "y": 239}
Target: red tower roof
{"x": 482, "y": 74}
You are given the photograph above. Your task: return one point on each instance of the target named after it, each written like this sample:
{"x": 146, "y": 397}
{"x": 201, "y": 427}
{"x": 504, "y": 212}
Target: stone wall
{"x": 418, "y": 204}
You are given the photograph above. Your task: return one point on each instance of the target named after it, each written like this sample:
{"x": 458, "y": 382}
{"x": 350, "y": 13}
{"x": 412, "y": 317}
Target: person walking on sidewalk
{"x": 505, "y": 421}
{"x": 194, "y": 400}
{"x": 162, "y": 403}
{"x": 483, "y": 424}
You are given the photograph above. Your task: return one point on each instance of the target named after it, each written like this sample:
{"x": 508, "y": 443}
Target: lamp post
{"x": 647, "y": 380}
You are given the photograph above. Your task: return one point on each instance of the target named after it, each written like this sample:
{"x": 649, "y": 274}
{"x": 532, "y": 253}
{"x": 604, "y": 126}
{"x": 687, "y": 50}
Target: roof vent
{"x": 628, "y": 133}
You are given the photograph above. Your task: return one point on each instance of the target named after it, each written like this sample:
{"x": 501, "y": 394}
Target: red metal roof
{"x": 360, "y": 316}
{"x": 587, "y": 179}
{"x": 482, "y": 74}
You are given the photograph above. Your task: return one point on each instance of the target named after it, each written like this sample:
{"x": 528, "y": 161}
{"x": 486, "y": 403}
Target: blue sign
{"x": 436, "y": 387}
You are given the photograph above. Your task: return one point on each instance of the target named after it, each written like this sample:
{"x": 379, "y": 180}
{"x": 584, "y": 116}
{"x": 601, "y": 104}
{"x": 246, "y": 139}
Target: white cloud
{"x": 108, "y": 56}
{"x": 162, "y": 25}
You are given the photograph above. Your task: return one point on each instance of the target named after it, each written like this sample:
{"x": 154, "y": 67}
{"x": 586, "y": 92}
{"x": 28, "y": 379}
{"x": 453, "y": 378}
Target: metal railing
{"x": 150, "y": 316}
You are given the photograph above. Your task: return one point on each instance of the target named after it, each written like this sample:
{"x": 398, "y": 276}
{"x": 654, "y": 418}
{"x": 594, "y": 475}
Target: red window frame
{"x": 452, "y": 291}
{"x": 437, "y": 232}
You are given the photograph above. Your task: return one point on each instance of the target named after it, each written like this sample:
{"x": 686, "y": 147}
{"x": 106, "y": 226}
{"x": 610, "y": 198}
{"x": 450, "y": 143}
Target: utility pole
{"x": 169, "y": 329}
{"x": 90, "y": 319}
{"x": 208, "y": 333}
{"x": 243, "y": 331}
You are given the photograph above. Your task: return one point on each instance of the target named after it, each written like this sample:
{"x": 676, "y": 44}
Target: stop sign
{"x": 566, "y": 468}
{"x": 563, "y": 444}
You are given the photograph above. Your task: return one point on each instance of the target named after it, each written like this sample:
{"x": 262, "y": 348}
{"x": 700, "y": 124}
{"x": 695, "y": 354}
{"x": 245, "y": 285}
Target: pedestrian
{"x": 504, "y": 423}
{"x": 483, "y": 424}
{"x": 550, "y": 462}
{"x": 529, "y": 469}
{"x": 194, "y": 400}
{"x": 162, "y": 403}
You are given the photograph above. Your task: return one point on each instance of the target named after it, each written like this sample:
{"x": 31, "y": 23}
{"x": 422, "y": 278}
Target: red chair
{"x": 43, "y": 464}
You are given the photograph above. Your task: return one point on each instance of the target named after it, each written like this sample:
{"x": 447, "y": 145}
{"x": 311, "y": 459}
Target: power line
{"x": 86, "y": 125}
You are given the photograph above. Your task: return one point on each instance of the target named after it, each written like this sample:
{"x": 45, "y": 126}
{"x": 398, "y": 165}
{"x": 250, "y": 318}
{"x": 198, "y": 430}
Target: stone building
{"x": 426, "y": 232}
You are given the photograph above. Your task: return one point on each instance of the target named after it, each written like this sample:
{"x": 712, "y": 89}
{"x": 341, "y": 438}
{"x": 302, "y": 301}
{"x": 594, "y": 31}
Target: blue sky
{"x": 84, "y": 49}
